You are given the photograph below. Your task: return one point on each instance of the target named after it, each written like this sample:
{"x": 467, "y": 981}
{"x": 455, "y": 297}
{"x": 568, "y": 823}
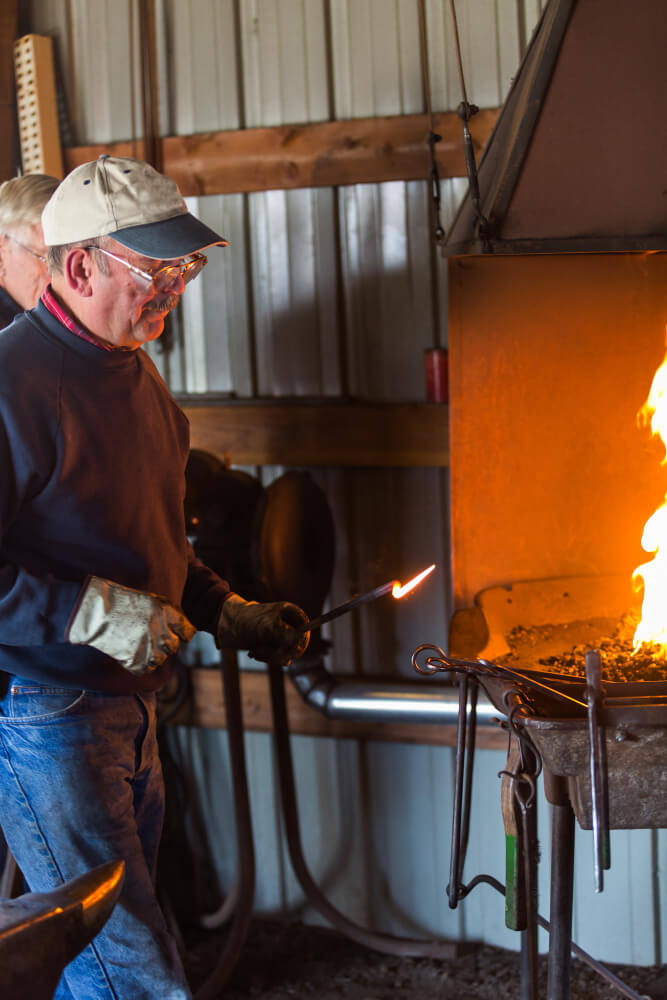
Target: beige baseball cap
{"x": 130, "y": 201}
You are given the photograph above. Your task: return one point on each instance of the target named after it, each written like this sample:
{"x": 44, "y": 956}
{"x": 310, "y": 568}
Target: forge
{"x": 598, "y": 744}
{"x": 538, "y": 636}
{"x": 557, "y": 312}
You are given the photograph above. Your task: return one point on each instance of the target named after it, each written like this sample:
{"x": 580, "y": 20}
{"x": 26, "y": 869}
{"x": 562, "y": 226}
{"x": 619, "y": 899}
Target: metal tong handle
{"x": 598, "y": 769}
{"x": 480, "y": 668}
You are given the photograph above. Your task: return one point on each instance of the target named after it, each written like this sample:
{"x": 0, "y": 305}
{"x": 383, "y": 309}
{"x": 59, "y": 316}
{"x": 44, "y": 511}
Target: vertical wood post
{"x": 8, "y": 30}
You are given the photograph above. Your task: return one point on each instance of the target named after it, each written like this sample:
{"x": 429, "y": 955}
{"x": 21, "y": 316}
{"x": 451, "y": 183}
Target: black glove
{"x": 274, "y": 631}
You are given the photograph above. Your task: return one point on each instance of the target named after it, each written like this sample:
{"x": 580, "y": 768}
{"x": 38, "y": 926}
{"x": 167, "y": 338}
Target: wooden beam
{"x": 205, "y": 709}
{"x": 321, "y": 154}
{"x": 322, "y": 433}
{"x": 8, "y": 29}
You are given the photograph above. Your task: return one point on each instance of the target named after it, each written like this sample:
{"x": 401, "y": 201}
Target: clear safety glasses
{"x": 187, "y": 269}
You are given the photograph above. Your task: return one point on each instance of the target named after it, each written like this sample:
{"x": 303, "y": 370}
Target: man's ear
{"x": 77, "y": 271}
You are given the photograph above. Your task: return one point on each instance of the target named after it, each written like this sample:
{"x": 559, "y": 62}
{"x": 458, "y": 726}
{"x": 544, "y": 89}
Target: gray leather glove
{"x": 137, "y": 629}
{"x": 272, "y": 631}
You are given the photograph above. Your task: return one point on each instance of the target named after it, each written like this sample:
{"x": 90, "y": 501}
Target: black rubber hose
{"x": 245, "y": 854}
{"x": 378, "y": 942}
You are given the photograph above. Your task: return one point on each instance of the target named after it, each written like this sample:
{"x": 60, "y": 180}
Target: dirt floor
{"x": 284, "y": 961}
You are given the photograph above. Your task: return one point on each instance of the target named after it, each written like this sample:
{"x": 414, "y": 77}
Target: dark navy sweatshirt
{"x": 92, "y": 480}
{"x": 8, "y": 308}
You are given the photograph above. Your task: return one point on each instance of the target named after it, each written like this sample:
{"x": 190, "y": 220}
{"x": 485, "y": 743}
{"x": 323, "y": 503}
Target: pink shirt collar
{"x": 65, "y": 317}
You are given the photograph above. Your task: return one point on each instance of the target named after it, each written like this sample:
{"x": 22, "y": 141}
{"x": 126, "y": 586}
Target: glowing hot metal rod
{"x": 393, "y": 587}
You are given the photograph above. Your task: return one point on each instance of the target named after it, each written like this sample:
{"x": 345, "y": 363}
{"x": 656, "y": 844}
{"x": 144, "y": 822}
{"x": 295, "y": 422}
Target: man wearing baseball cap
{"x": 98, "y": 585}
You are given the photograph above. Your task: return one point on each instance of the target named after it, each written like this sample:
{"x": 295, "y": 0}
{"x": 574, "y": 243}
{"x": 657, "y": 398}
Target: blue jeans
{"x": 81, "y": 784}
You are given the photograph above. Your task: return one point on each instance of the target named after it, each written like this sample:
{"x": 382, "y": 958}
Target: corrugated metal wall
{"x": 336, "y": 292}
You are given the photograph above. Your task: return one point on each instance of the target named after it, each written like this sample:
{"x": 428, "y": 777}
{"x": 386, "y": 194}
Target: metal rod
{"x": 604, "y": 789}
{"x": 529, "y": 848}
{"x": 597, "y": 770}
{"x": 442, "y": 662}
{"x": 538, "y": 685}
{"x": 578, "y": 952}
{"x": 602, "y": 970}
{"x": 636, "y": 701}
{"x": 343, "y": 609}
{"x": 455, "y": 864}
{"x": 562, "y": 872}
{"x": 468, "y": 776}
{"x": 433, "y": 137}
{"x": 459, "y": 59}
{"x": 593, "y": 682}
{"x": 527, "y": 973}
{"x": 465, "y": 111}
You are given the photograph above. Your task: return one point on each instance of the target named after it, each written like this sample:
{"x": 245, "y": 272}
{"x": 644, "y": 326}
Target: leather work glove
{"x": 137, "y": 629}
{"x": 270, "y": 632}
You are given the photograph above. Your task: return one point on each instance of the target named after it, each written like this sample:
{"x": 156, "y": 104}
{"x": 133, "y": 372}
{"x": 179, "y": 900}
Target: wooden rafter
{"x": 322, "y": 154}
{"x": 322, "y": 432}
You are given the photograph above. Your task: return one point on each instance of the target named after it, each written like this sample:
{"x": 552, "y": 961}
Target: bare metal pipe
{"x": 375, "y": 699}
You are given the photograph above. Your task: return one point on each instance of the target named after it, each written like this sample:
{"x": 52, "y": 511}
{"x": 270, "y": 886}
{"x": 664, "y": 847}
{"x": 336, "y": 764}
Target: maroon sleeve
{"x": 203, "y": 594}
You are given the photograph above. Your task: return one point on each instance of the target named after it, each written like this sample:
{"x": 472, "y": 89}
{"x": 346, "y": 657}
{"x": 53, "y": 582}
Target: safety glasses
{"x": 27, "y": 249}
{"x": 187, "y": 269}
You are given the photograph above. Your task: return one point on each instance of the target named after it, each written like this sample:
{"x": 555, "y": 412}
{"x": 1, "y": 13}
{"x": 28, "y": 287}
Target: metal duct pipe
{"x": 376, "y": 699}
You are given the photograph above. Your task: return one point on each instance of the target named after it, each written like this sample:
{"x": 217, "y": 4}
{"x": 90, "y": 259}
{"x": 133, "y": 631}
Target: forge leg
{"x": 562, "y": 871}
{"x": 529, "y": 936}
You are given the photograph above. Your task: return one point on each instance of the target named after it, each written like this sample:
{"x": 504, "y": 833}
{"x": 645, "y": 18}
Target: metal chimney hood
{"x": 578, "y": 158}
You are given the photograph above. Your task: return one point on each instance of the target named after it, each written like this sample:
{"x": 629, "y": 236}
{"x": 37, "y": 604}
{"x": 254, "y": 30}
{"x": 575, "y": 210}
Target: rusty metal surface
{"x": 634, "y": 728}
{"x": 550, "y": 360}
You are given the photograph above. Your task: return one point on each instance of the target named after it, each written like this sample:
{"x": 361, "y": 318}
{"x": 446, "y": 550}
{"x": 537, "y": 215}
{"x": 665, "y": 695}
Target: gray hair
{"x": 22, "y": 199}
{"x": 55, "y": 255}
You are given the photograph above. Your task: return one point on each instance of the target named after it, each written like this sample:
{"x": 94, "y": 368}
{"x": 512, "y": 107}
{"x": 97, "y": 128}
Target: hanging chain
{"x": 433, "y": 137}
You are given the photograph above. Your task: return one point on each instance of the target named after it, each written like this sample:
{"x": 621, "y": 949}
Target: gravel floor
{"x": 283, "y": 961}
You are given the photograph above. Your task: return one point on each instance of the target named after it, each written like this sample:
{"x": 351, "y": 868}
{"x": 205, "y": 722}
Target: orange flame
{"x": 654, "y": 410}
{"x": 400, "y": 591}
{"x": 653, "y": 624}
